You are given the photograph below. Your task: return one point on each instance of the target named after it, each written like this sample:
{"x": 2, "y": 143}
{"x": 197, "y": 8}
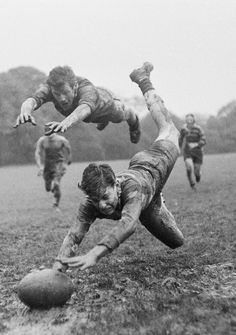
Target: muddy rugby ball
{"x": 45, "y": 289}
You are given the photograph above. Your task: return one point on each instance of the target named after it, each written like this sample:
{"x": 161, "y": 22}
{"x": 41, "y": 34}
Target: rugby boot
{"x": 101, "y": 126}
{"x": 142, "y": 73}
{"x": 198, "y": 178}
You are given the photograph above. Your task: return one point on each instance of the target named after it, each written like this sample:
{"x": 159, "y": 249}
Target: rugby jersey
{"x": 99, "y": 99}
{"x": 145, "y": 177}
{"x": 194, "y": 134}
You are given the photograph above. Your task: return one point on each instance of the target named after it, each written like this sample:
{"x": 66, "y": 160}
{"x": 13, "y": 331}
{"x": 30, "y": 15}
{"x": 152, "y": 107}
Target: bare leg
{"x": 189, "y": 170}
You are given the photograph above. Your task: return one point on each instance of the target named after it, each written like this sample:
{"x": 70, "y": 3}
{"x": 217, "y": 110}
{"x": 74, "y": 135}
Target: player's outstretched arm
{"x": 25, "y": 115}
{"x": 79, "y": 114}
{"x": 75, "y": 235}
{"x": 125, "y": 227}
{"x": 88, "y": 260}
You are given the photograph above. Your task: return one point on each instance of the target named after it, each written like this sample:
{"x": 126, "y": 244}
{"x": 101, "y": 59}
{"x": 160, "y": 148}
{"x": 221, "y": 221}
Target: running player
{"x": 52, "y": 154}
{"x": 192, "y": 140}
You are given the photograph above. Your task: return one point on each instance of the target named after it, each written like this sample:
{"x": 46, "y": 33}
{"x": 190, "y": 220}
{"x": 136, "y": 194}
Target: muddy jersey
{"x": 145, "y": 177}
{"x": 100, "y": 100}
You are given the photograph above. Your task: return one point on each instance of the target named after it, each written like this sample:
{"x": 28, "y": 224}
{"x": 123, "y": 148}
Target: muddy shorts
{"x": 53, "y": 171}
{"x": 110, "y": 108}
{"x": 158, "y": 160}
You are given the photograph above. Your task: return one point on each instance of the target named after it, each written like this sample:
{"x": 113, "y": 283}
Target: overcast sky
{"x": 192, "y": 44}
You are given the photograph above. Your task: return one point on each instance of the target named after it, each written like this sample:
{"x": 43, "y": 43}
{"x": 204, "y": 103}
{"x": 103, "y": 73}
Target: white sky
{"x": 192, "y": 44}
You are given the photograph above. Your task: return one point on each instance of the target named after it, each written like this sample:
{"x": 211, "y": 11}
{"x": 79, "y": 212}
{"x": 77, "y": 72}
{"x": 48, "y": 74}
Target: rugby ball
{"x": 45, "y": 289}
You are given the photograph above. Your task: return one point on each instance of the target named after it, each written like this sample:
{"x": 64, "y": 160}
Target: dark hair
{"x": 96, "y": 177}
{"x": 190, "y": 114}
{"x": 60, "y": 75}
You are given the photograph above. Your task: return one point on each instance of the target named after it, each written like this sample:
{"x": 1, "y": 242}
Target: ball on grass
{"x": 45, "y": 289}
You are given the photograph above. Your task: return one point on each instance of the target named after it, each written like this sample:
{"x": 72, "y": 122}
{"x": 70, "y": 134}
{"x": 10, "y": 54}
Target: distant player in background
{"x": 192, "y": 140}
{"x": 52, "y": 154}
{"x": 77, "y": 99}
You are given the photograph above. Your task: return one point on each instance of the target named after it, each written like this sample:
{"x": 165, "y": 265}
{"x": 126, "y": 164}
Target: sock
{"x": 145, "y": 85}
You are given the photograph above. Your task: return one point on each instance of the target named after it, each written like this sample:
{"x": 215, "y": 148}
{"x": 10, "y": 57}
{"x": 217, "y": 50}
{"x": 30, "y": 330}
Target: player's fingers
{"x": 73, "y": 261}
{"x": 58, "y": 128}
{"x": 21, "y": 119}
{"x": 74, "y": 265}
{"x": 26, "y": 117}
{"x": 68, "y": 260}
{"x": 17, "y": 122}
{"x": 48, "y": 124}
{"x": 32, "y": 119}
{"x": 63, "y": 129}
{"x": 49, "y": 132}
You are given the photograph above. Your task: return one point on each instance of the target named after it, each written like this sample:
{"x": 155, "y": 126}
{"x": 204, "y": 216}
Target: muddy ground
{"x": 141, "y": 288}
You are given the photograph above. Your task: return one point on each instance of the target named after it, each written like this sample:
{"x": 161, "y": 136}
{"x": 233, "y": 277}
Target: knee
{"x": 188, "y": 166}
{"x": 197, "y": 168}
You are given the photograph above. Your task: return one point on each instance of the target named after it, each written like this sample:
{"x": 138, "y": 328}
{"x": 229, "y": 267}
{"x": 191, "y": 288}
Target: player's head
{"x": 99, "y": 184}
{"x": 190, "y": 119}
{"x": 63, "y": 84}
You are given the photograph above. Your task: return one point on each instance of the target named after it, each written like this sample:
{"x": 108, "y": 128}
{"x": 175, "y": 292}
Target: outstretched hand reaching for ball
{"x": 83, "y": 262}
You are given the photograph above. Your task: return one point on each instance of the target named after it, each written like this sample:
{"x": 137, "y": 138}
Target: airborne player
{"x": 77, "y": 99}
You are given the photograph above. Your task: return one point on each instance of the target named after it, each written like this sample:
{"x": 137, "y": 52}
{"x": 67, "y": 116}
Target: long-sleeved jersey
{"x": 100, "y": 100}
{"x": 146, "y": 176}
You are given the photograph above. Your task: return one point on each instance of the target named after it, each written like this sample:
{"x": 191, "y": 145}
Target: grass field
{"x": 141, "y": 288}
